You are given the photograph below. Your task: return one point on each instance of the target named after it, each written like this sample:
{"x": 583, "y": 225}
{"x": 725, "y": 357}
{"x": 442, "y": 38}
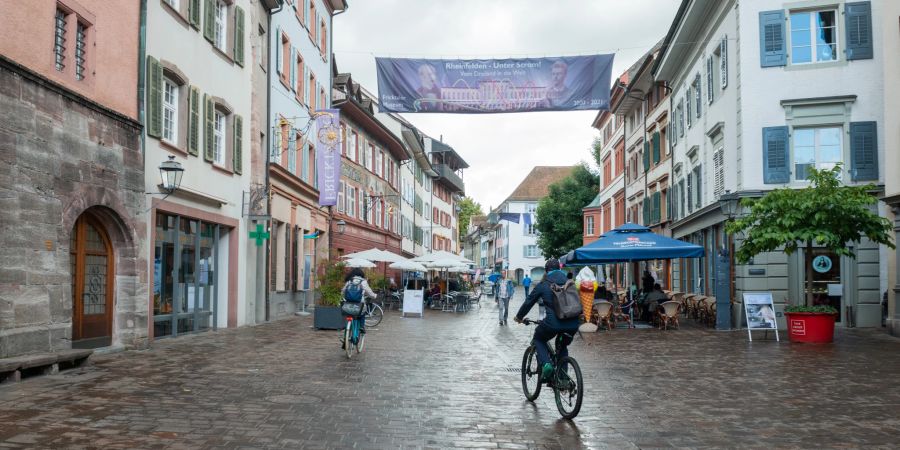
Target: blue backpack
{"x": 354, "y": 292}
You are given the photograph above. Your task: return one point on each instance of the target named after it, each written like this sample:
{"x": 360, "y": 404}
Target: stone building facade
{"x": 72, "y": 208}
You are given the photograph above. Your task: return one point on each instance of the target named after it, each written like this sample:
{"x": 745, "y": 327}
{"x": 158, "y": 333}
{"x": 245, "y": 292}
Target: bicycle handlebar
{"x": 527, "y": 321}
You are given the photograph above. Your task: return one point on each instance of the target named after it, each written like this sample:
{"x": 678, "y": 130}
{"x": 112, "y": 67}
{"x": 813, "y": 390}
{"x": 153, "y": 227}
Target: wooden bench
{"x": 11, "y": 369}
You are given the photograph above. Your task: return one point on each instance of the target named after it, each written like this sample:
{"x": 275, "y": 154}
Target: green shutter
{"x": 209, "y": 20}
{"x": 863, "y": 151}
{"x": 209, "y": 117}
{"x": 238, "y": 163}
{"x": 194, "y": 13}
{"x": 194, "y": 122}
{"x": 656, "y": 156}
{"x": 239, "y": 35}
{"x": 646, "y": 206}
{"x": 154, "y": 97}
{"x": 858, "y": 24}
{"x": 646, "y": 156}
{"x": 656, "y": 207}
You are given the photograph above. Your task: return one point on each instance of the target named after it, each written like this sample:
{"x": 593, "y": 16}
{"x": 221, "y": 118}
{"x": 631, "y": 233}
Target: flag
{"x": 510, "y": 217}
{"x": 527, "y": 218}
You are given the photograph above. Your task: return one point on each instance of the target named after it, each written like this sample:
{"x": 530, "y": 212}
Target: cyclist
{"x": 356, "y": 289}
{"x": 550, "y": 325}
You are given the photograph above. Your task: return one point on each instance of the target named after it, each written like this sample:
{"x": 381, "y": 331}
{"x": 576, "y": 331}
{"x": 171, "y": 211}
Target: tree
{"x": 468, "y": 207}
{"x": 559, "y": 214}
{"x": 596, "y": 151}
{"x": 824, "y": 213}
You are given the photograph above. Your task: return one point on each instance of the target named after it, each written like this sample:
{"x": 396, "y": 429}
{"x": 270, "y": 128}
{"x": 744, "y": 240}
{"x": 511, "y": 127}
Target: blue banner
{"x": 494, "y": 85}
{"x": 511, "y": 217}
{"x": 328, "y": 155}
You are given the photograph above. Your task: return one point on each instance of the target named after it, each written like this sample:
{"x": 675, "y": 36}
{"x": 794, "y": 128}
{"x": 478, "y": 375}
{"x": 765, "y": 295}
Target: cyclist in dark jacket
{"x": 551, "y": 326}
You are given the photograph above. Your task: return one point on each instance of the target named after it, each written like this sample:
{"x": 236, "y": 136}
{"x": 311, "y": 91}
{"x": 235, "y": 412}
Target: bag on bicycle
{"x": 353, "y": 309}
{"x": 566, "y": 301}
{"x": 354, "y": 291}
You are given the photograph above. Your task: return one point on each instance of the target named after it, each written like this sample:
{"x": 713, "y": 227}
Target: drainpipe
{"x": 142, "y": 73}
{"x": 269, "y": 152}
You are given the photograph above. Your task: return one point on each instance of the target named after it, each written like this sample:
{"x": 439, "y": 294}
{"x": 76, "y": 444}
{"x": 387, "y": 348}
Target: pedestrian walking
{"x": 527, "y": 284}
{"x": 506, "y": 291}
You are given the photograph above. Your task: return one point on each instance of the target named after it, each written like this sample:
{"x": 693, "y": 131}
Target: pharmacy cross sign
{"x": 260, "y": 235}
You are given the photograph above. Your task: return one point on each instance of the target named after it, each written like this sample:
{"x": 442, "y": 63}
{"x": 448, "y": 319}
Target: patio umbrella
{"x": 442, "y": 255}
{"x": 408, "y": 265}
{"x": 376, "y": 255}
{"x": 443, "y": 264}
{"x": 359, "y": 262}
{"x": 458, "y": 269}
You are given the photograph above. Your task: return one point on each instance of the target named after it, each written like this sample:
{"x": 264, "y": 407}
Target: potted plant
{"x": 327, "y": 314}
{"x": 825, "y": 213}
{"x": 814, "y": 324}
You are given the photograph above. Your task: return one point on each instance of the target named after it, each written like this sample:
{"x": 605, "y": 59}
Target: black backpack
{"x": 566, "y": 301}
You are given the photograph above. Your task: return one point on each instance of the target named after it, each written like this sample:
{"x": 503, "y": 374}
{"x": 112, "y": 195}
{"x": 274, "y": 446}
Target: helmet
{"x": 551, "y": 265}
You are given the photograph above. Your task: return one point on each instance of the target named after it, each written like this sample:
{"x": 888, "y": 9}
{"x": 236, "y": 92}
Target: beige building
{"x": 891, "y": 44}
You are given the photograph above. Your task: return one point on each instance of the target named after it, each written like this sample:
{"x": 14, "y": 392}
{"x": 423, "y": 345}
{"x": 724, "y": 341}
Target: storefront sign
{"x": 328, "y": 155}
{"x": 760, "y": 311}
{"x": 798, "y": 327}
{"x": 494, "y": 85}
{"x": 821, "y": 264}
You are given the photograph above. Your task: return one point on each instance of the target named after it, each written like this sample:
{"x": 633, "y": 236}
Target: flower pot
{"x": 328, "y": 318}
{"x": 810, "y": 327}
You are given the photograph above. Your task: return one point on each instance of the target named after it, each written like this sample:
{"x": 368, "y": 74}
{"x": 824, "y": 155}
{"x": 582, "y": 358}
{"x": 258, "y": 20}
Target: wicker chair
{"x": 690, "y": 305}
{"x": 602, "y": 314}
{"x": 711, "y": 311}
{"x": 668, "y": 314}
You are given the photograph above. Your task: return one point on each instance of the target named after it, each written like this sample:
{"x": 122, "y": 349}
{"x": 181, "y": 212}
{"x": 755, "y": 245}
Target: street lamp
{"x": 340, "y": 226}
{"x": 729, "y": 204}
{"x": 171, "y": 172}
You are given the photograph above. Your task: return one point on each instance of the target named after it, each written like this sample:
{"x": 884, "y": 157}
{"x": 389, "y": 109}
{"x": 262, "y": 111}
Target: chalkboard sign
{"x": 760, "y": 311}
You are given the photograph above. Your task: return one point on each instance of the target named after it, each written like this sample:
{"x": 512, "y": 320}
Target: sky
{"x": 500, "y": 149}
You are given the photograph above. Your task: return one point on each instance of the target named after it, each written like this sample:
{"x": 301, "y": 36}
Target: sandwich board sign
{"x": 413, "y": 301}
{"x": 760, "y": 311}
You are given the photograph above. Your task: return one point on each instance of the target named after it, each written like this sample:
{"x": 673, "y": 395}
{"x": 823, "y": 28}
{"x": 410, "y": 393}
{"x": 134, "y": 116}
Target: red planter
{"x": 817, "y": 328}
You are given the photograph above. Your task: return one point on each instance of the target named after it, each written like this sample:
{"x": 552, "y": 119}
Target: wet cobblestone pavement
{"x": 451, "y": 380}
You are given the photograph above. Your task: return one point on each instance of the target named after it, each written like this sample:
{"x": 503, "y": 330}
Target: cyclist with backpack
{"x": 355, "y": 290}
{"x": 562, "y": 305}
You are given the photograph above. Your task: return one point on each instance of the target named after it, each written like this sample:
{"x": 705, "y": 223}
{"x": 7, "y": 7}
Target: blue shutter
{"x": 772, "y": 43}
{"x": 278, "y": 49}
{"x": 863, "y": 151}
{"x": 775, "y": 155}
{"x": 858, "y": 23}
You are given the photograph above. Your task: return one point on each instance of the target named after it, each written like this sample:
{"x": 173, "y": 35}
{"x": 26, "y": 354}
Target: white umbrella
{"x": 359, "y": 262}
{"x": 408, "y": 265}
{"x": 377, "y": 255}
{"x": 443, "y": 255}
{"x": 443, "y": 263}
{"x": 458, "y": 269}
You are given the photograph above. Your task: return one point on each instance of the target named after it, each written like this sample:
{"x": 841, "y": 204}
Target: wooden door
{"x": 92, "y": 283}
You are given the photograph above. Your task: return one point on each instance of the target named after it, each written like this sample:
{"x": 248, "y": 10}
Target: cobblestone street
{"x": 451, "y": 380}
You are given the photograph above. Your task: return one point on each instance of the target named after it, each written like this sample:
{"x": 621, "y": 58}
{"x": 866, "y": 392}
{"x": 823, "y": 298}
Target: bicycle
{"x": 374, "y": 313}
{"x": 351, "y": 334}
{"x": 567, "y": 391}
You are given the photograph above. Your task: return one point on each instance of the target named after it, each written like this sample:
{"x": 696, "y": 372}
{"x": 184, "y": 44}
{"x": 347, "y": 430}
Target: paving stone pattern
{"x": 451, "y": 380}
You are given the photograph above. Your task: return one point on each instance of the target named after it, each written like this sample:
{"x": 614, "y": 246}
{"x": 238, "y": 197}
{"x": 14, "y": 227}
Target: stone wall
{"x": 60, "y": 155}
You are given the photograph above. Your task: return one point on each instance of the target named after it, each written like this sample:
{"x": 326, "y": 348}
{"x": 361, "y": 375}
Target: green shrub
{"x": 825, "y": 309}
{"x": 332, "y": 283}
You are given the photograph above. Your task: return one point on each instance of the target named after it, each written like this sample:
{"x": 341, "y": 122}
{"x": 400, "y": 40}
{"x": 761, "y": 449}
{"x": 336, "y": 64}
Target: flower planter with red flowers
{"x": 811, "y": 324}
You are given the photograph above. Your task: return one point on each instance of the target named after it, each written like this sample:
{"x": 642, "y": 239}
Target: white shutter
{"x": 723, "y": 70}
{"x": 710, "y": 81}
{"x": 718, "y": 161}
{"x": 293, "y": 65}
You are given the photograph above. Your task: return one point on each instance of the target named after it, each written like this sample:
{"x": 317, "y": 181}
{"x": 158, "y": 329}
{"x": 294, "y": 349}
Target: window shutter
{"x": 690, "y": 192}
{"x": 238, "y": 163}
{"x": 194, "y": 122}
{"x": 304, "y": 174}
{"x": 681, "y": 118}
{"x": 154, "y": 99}
{"x": 772, "y": 45}
{"x": 698, "y": 186}
{"x": 723, "y": 61}
{"x": 775, "y": 155}
{"x": 306, "y": 13}
{"x": 239, "y": 35}
{"x": 209, "y": 20}
{"x": 209, "y": 117}
{"x": 194, "y": 13}
{"x": 863, "y": 151}
{"x": 709, "y": 80}
{"x": 656, "y": 149}
{"x": 278, "y": 55}
{"x": 689, "y": 99}
{"x": 698, "y": 95}
{"x": 646, "y": 156}
{"x": 858, "y": 22}
{"x": 305, "y": 81}
{"x": 656, "y": 207}
{"x": 646, "y": 211}
{"x": 292, "y": 63}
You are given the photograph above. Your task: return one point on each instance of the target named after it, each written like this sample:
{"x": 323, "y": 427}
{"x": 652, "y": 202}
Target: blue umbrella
{"x": 631, "y": 242}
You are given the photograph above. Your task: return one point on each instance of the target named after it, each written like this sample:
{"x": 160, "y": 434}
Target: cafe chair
{"x": 668, "y": 314}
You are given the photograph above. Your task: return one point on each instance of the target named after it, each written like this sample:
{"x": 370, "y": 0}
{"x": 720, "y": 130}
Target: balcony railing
{"x": 444, "y": 171}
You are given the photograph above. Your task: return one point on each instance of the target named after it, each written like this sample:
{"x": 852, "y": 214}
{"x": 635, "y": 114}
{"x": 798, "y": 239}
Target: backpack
{"x": 354, "y": 292}
{"x": 566, "y": 301}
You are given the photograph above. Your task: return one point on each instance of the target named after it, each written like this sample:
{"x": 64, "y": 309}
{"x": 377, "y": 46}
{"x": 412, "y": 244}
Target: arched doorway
{"x": 520, "y": 274}
{"x": 93, "y": 273}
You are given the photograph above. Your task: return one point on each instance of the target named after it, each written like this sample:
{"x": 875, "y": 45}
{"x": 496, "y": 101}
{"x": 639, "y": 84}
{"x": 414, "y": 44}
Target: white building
{"x": 891, "y": 63}
{"x": 515, "y": 244}
{"x": 761, "y": 91}
{"x": 446, "y": 189}
{"x": 197, "y": 107}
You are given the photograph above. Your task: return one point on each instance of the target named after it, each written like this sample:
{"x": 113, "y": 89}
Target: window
{"x": 353, "y": 149}
{"x": 59, "y": 47}
{"x": 698, "y": 98}
{"x": 370, "y": 151}
{"x": 427, "y": 207}
{"x": 261, "y": 46}
{"x": 589, "y": 226}
{"x": 531, "y": 251}
{"x": 813, "y": 36}
{"x": 607, "y": 171}
{"x": 378, "y": 214}
{"x": 299, "y": 87}
{"x": 323, "y": 38}
{"x": 680, "y": 118}
{"x": 285, "y": 60}
{"x": 80, "y": 48}
{"x": 816, "y": 147}
{"x": 340, "y": 201}
{"x": 174, "y": 4}
{"x": 710, "y": 80}
{"x": 351, "y": 201}
{"x": 219, "y": 139}
{"x": 170, "y": 111}
{"x": 379, "y": 163}
{"x": 689, "y": 98}
{"x": 292, "y": 153}
{"x": 698, "y": 187}
{"x": 312, "y": 92}
{"x": 221, "y": 27}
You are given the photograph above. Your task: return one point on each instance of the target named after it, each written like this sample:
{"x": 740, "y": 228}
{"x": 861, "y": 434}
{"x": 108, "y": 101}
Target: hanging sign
{"x": 760, "y": 311}
{"x": 494, "y": 85}
{"x": 821, "y": 264}
{"x": 328, "y": 155}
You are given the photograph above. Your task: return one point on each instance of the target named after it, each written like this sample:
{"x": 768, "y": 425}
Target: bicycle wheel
{"x": 531, "y": 374}
{"x": 374, "y": 315}
{"x": 348, "y": 338}
{"x": 568, "y": 387}
{"x": 360, "y": 342}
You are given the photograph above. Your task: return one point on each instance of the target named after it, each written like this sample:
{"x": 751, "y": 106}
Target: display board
{"x": 760, "y": 311}
{"x": 413, "y": 302}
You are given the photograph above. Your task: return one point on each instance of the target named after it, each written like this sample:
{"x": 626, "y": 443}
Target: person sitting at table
{"x": 433, "y": 293}
{"x": 453, "y": 285}
{"x": 655, "y": 298}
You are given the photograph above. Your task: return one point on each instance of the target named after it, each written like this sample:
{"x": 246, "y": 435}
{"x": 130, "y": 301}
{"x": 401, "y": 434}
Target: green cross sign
{"x": 260, "y": 235}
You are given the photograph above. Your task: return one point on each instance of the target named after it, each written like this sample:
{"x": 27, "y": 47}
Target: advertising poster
{"x": 760, "y": 311}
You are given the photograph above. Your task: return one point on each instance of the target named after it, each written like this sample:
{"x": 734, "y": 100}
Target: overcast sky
{"x": 500, "y": 148}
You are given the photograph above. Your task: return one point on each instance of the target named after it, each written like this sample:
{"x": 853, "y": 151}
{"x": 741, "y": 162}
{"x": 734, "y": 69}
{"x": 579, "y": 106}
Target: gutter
{"x": 269, "y": 150}
{"x": 142, "y": 73}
